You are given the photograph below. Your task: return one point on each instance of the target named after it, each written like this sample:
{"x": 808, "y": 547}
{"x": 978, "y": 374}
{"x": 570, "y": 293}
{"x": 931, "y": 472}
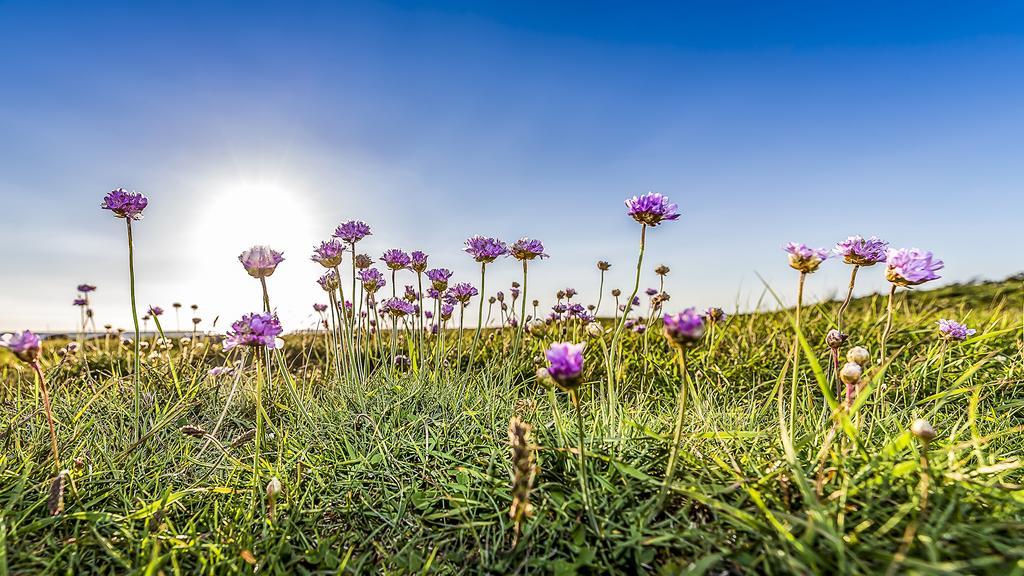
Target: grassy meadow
{"x": 410, "y": 471}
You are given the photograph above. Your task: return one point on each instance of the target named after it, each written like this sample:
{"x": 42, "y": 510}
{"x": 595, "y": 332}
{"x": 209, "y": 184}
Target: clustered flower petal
{"x": 254, "y": 330}
{"x": 328, "y": 254}
{"x": 125, "y": 204}
{"x": 862, "y": 252}
{"x": 652, "y": 208}
{"x": 528, "y": 249}
{"x": 372, "y": 280}
{"x": 439, "y": 278}
{"x": 397, "y": 308}
{"x": 484, "y": 249}
{"x": 419, "y": 261}
{"x": 685, "y": 328}
{"x": 396, "y": 259}
{"x": 155, "y": 310}
{"x": 462, "y": 292}
{"x": 26, "y": 346}
{"x": 910, "y": 266}
{"x": 260, "y": 261}
{"x": 329, "y": 281}
{"x": 352, "y": 231}
{"x": 565, "y": 363}
{"x": 805, "y": 258}
{"x": 86, "y": 288}
{"x": 953, "y": 330}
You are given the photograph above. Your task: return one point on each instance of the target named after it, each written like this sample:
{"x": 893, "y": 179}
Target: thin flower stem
{"x": 574, "y": 396}
{"x": 600, "y": 295}
{"x": 266, "y": 295}
{"x": 888, "y": 323}
{"x": 49, "y": 414}
{"x": 849, "y": 296}
{"x": 521, "y": 325}
{"x": 135, "y": 319}
{"x": 480, "y": 315}
{"x": 614, "y": 351}
{"x": 677, "y": 430}
{"x": 796, "y": 348}
{"x": 419, "y": 350}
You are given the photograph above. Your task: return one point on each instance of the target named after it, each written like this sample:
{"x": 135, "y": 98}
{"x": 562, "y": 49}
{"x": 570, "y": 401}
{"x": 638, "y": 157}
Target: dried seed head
{"x": 851, "y": 373}
{"x": 923, "y": 430}
{"x": 603, "y": 266}
{"x": 524, "y": 469}
{"x": 859, "y": 355}
{"x": 55, "y": 503}
{"x": 662, "y": 270}
{"x": 835, "y": 339}
{"x": 193, "y": 431}
{"x": 616, "y": 292}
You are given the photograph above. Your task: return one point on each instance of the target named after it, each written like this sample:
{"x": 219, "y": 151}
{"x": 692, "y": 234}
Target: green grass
{"x": 412, "y": 475}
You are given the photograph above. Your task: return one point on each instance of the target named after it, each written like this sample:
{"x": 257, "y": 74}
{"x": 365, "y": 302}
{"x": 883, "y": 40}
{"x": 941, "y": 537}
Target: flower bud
{"x": 835, "y": 339}
{"x": 851, "y": 373}
{"x": 859, "y": 355}
{"x": 923, "y": 430}
{"x": 594, "y": 329}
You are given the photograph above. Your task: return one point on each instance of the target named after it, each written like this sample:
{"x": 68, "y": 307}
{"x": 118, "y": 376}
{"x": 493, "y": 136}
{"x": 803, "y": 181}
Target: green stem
{"x": 574, "y": 396}
{"x": 888, "y": 323}
{"x": 614, "y": 351}
{"x": 677, "y": 429}
{"x": 49, "y": 414}
{"x": 135, "y": 319}
{"x": 796, "y": 348}
{"x": 849, "y": 296}
{"x": 480, "y": 315}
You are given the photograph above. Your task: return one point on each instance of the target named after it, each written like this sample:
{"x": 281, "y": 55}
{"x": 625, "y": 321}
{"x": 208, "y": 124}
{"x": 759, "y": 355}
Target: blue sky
{"x": 272, "y": 122}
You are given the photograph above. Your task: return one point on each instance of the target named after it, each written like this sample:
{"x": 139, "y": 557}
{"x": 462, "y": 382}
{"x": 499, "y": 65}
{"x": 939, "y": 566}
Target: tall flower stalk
{"x": 484, "y": 250}
{"x": 603, "y": 267}
{"x": 905, "y": 267}
{"x": 130, "y": 205}
{"x": 260, "y": 262}
{"x": 806, "y": 261}
{"x": 858, "y": 252}
{"x": 683, "y": 331}
{"x": 27, "y": 348}
{"x": 524, "y": 250}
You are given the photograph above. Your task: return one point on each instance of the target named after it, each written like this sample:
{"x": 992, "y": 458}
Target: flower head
{"x": 462, "y": 292}
{"x": 396, "y": 307}
{"x": 805, "y": 258}
{"x": 484, "y": 249}
{"x": 254, "y": 330}
{"x": 125, "y": 204}
{"x": 652, "y": 208}
{"x": 372, "y": 280}
{"x": 685, "y": 328}
{"x": 328, "y": 254}
{"x": 439, "y": 278}
{"x": 260, "y": 261}
{"x": 527, "y": 249}
{"x": 352, "y": 231}
{"x": 862, "y": 252}
{"x": 363, "y": 261}
{"x": 419, "y": 261}
{"x": 446, "y": 311}
{"x": 26, "y": 346}
{"x": 396, "y": 259}
{"x": 955, "y": 331}
{"x": 80, "y": 302}
{"x": 910, "y": 267}
{"x": 715, "y": 315}
{"x": 320, "y": 307}
{"x": 155, "y": 311}
{"x": 329, "y": 281}
{"x": 565, "y": 363}
{"x": 603, "y": 266}
{"x": 86, "y": 288}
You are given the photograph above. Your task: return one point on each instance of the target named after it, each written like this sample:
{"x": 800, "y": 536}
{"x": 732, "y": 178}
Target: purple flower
{"x": 559, "y": 308}
{"x": 576, "y": 310}
{"x": 953, "y": 330}
{"x": 715, "y": 315}
{"x": 462, "y": 292}
{"x": 396, "y": 259}
{"x": 26, "y": 346}
{"x": 428, "y": 314}
{"x": 685, "y": 328}
{"x": 329, "y": 281}
{"x": 125, "y": 204}
{"x": 352, "y": 231}
{"x": 514, "y": 292}
{"x": 485, "y": 250}
{"x": 155, "y": 311}
{"x": 372, "y": 280}
{"x": 446, "y": 311}
{"x": 527, "y": 249}
{"x": 260, "y": 261}
{"x": 397, "y": 307}
{"x": 804, "y": 258}
{"x": 320, "y": 307}
{"x": 651, "y": 291}
{"x": 570, "y": 292}
{"x": 857, "y": 250}
{"x": 419, "y": 261}
{"x": 910, "y": 267}
{"x": 328, "y": 254}
{"x": 80, "y": 302}
{"x": 411, "y": 294}
{"x": 439, "y": 278}
{"x": 565, "y": 363}
{"x": 652, "y": 208}
{"x": 86, "y": 288}
{"x": 254, "y": 330}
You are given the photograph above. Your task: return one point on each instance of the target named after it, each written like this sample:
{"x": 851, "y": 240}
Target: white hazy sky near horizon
{"x": 433, "y": 126}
